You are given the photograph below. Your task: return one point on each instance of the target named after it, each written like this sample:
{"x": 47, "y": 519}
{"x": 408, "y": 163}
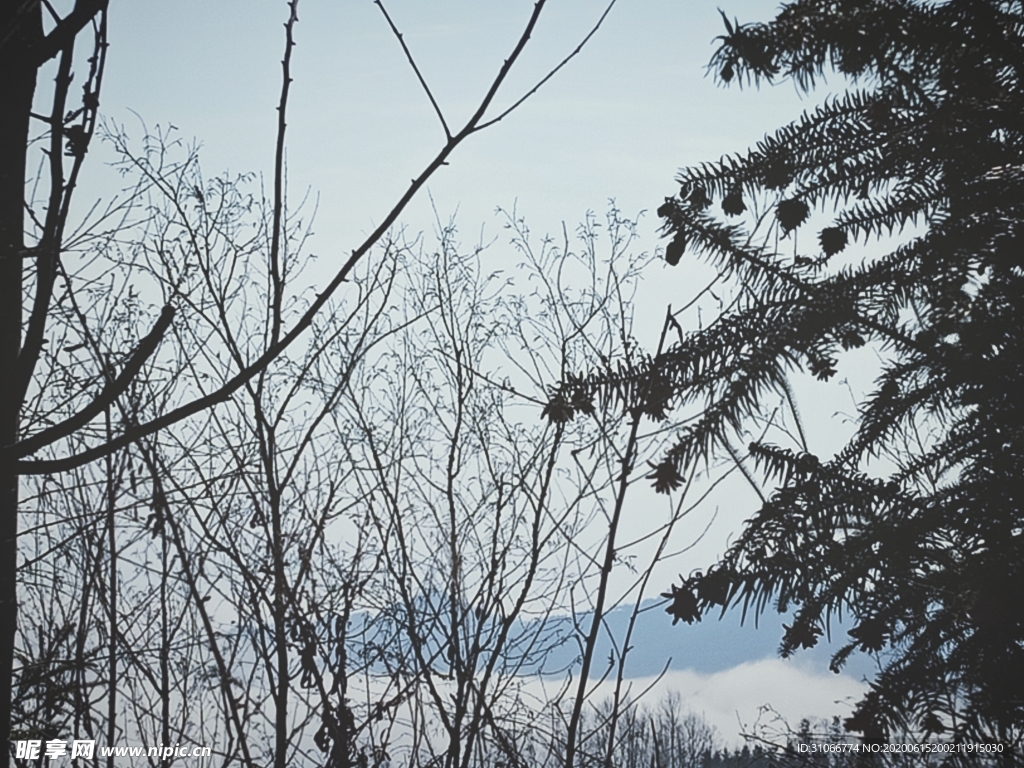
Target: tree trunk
{"x": 17, "y": 86}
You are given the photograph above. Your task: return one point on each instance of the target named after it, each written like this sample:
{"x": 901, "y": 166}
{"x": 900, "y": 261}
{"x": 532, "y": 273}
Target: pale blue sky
{"x": 617, "y": 122}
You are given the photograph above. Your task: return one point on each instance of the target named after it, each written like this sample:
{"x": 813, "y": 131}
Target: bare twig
{"x": 415, "y": 68}
{"x": 277, "y": 279}
{"x": 554, "y": 71}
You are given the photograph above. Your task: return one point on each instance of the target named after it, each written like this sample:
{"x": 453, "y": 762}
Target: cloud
{"x": 754, "y": 694}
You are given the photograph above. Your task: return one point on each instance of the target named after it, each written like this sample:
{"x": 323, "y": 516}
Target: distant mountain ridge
{"x": 707, "y": 646}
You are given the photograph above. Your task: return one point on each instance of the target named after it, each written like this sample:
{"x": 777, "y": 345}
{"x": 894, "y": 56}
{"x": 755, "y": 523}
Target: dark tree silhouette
{"x": 926, "y": 555}
{"x": 46, "y": 408}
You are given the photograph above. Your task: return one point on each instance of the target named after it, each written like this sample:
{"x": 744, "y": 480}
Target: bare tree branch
{"x": 132, "y": 434}
{"x": 113, "y": 389}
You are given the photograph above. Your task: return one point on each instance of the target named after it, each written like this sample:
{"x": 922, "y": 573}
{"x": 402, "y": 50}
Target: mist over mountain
{"x": 706, "y": 647}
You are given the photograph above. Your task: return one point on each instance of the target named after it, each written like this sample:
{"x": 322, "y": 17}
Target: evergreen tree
{"x": 928, "y": 561}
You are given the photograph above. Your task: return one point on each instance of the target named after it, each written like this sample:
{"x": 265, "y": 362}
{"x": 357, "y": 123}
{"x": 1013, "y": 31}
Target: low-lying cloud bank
{"x": 737, "y": 700}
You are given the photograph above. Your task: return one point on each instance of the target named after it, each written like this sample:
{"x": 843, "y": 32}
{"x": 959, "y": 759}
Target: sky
{"x": 615, "y": 124}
